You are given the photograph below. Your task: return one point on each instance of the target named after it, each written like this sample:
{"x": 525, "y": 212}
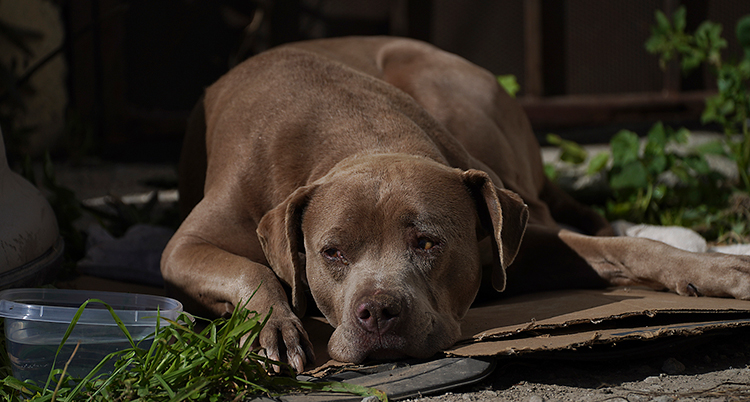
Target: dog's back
{"x": 472, "y": 122}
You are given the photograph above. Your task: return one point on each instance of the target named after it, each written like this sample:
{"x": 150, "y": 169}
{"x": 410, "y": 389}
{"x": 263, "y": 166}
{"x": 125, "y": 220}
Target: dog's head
{"x": 389, "y": 247}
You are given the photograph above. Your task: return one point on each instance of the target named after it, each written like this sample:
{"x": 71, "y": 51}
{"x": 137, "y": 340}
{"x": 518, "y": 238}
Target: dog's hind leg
{"x": 569, "y": 212}
{"x": 557, "y": 259}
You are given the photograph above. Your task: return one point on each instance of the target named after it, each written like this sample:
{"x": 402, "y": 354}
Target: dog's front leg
{"x": 554, "y": 258}
{"x": 218, "y": 280}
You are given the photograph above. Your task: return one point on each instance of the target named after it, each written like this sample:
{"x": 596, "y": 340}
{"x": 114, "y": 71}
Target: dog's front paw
{"x": 284, "y": 339}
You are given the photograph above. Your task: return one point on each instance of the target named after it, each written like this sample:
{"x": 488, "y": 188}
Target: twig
{"x": 65, "y": 369}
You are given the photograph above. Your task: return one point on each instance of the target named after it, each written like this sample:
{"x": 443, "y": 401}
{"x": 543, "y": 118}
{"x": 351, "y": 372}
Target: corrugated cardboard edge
{"x": 549, "y": 321}
{"x": 552, "y": 343}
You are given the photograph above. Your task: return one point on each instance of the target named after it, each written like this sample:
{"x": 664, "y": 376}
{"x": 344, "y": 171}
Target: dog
{"x": 396, "y": 183}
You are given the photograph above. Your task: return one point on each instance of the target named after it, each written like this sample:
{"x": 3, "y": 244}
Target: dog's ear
{"x": 280, "y": 235}
{"x": 503, "y": 214}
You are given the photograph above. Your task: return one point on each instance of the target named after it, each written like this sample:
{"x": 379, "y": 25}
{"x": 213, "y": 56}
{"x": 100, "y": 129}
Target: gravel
{"x": 717, "y": 369}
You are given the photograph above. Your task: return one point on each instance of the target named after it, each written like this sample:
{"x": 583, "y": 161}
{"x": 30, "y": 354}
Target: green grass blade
{"x": 187, "y": 392}
{"x": 65, "y": 337}
{"x": 164, "y": 385}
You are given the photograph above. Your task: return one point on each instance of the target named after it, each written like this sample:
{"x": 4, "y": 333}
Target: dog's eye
{"x": 426, "y": 244}
{"x": 334, "y": 255}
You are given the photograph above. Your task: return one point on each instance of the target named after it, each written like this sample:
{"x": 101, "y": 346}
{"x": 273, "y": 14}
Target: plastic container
{"x": 36, "y": 321}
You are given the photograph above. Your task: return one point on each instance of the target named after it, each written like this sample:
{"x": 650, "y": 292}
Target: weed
{"x": 653, "y": 183}
{"x": 648, "y": 181}
{"x": 730, "y": 107}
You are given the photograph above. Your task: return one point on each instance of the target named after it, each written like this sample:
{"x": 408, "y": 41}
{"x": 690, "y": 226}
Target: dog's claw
{"x": 286, "y": 333}
{"x": 296, "y": 360}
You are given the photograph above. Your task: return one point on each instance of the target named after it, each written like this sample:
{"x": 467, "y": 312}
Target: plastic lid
{"x": 61, "y": 305}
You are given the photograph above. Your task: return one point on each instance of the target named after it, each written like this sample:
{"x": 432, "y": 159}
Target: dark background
{"x": 136, "y": 67}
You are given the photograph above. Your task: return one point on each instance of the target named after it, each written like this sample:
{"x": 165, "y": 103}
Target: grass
{"x": 219, "y": 363}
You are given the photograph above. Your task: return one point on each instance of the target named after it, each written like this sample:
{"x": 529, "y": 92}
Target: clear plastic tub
{"x": 36, "y": 321}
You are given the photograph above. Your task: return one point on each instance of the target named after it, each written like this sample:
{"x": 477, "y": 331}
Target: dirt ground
{"x": 706, "y": 368}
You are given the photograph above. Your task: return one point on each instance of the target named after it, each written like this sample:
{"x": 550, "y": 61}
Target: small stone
{"x": 535, "y": 398}
{"x": 672, "y": 366}
{"x": 663, "y": 398}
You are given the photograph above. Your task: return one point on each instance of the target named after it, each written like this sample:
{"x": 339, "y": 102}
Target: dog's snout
{"x": 379, "y": 313}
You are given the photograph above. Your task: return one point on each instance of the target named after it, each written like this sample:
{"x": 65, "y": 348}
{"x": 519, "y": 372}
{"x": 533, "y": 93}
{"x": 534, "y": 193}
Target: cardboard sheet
{"x": 575, "y": 319}
{"x": 571, "y": 319}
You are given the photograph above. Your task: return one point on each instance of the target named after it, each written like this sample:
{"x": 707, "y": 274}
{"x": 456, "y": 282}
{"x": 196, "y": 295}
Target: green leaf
{"x": 654, "y": 152}
{"x": 727, "y": 107}
{"x": 656, "y": 165}
{"x": 550, "y": 171}
{"x": 715, "y": 147}
{"x": 619, "y": 209}
{"x": 654, "y": 43}
{"x": 681, "y": 136}
{"x": 678, "y": 19}
{"x": 743, "y": 34}
{"x": 662, "y": 22}
{"x": 625, "y": 146}
{"x": 631, "y": 176}
{"x": 681, "y": 172}
{"x": 698, "y": 164}
{"x": 597, "y": 163}
{"x": 657, "y": 136}
{"x": 711, "y": 111}
{"x": 554, "y": 139}
{"x": 571, "y": 152}
{"x": 659, "y": 192}
{"x": 509, "y": 84}
{"x": 692, "y": 60}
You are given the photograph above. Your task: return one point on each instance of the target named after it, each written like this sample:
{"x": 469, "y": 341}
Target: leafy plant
{"x": 648, "y": 180}
{"x": 660, "y": 181}
{"x": 731, "y": 106}
{"x": 217, "y": 363}
{"x": 653, "y": 183}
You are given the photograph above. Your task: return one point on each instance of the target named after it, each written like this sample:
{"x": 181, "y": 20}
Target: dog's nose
{"x": 379, "y": 313}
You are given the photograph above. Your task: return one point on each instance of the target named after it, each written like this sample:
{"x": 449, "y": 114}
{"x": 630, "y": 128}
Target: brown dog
{"x": 389, "y": 178}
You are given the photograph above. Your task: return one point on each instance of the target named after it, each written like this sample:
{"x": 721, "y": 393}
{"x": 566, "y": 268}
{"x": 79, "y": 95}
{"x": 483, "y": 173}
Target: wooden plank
{"x": 532, "y": 15}
{"x": 593, "y": 110}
